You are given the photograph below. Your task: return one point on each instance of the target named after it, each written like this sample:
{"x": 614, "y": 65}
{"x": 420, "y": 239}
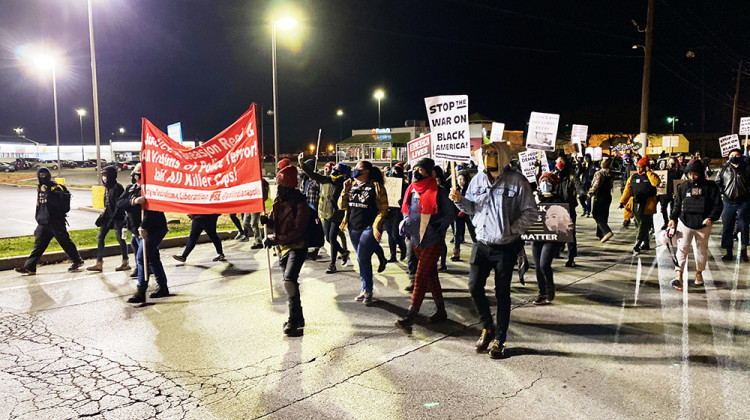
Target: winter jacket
{"x": 601, "y": 187}
{"x": 50, "y": 203}
{"x": 734, "y": 183}
{"x": 330, "y": 191}
{"x": 152, "y": 221}
{"x": 438, "y": 224}
{"x": 112, "y": 212}
{"x": 696, "y": 202}
{"x": 641, "y": 188}
{"x": 289, "y": 220}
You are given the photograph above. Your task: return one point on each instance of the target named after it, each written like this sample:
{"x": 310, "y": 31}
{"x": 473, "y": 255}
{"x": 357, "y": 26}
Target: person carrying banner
{"x": 601, "y": 195}
{"x": 543, "y": 251}
{"x": 289, "y": 219}
{"x": 151, "y": 230}
{"x": 331, "y": 186}
{"x": 366, "y": 205}
{"x": 52, "y": 206}
{"x": 503, "y": 206}
{"x": 199, "y": 224}
{"x": 463, "y": 221}
{"x": 696, "y": 207}
{"x": 252, "y": 220}
{"x": 427, "y": 214}
{"x": 734, "y": 183}
{"x": 665, "y": 200}
{"x": 639, "y": 200}
{"x": 111, "y": 218}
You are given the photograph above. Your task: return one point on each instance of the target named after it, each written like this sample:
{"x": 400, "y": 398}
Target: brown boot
{"x": 96, "y": 267}
{"x": 124, "y": 266}
{"x": 484, "y": 340}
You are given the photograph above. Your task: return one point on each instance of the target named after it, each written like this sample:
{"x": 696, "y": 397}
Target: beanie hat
{"x": 644, "y": 161}
{"x": 696, "y": 166}
{"x": 287, "y": 177}
{"x": 551, "y": 177}
{"x": 283, "y": 163}
{"x": 427, "y": 164}
{"x": 344, "y": 169}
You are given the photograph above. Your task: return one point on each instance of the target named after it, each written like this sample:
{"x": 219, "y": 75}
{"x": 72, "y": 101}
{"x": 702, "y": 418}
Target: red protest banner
{"x": 220, "y": 176}
{"x": 419, "y": 148}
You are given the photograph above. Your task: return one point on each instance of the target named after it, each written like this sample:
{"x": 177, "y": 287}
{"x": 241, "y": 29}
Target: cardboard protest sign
{"x": 677, "y": 183}
{"x": 745, "y": 125}
{"x": 661, "y": 189}
{"x": 497, "y": 131}
{"x": 670, "y": 142}
{"x": 553, "y": 225}
{"x": 393, "y": 189}
{"x": 419, "y": 148}
{"x": 449, "y": 125}
{"x": 543, "y": 161}
{"x": 728, "y": 143}
{"x": 527, "y": 161}
{"x": 569, "y": 148}
{"x": 579, "y": 133}
{"x": 219, "y": 176}
{"x": 542, "y": 131}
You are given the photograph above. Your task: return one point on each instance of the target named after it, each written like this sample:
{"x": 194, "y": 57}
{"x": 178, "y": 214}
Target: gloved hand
{"x": 263, "y": 219}
{"x": 269, "y": 242}
{"x": 402, "y": 228}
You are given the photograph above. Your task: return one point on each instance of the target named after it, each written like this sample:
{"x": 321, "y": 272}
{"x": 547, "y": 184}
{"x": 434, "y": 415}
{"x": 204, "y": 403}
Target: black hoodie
{"x": 50, "y": 200}
{"x": 112, "y": 192}
{"x": 697, "y": 201}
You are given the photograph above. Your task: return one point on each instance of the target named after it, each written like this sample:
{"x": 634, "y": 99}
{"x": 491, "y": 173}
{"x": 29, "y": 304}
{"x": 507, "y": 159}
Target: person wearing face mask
{"x": 365, "y": 204}
{"x": 289, "y": 218}
{"x": 52, "y": 205}
{"x": 394, "y": 218}
{"x": 463, "y": 221}
{"x": 585, "y": 175}
{"x": 601, "y": 194}
{"x": 331, "y": 185}
{"x": 639, "y": 199}
{"x": 502, "y": 203}
{"x": 544, "y": 252}
{"x": 696, "y": 207}
{"x": 427, "y": 214}
{"x": 112, "y": 218}
{"x": 665, "y": 200}
{"x": 311, "y": 189}
{"x": 734, "y": 182}
{"x": 566, "y": 189}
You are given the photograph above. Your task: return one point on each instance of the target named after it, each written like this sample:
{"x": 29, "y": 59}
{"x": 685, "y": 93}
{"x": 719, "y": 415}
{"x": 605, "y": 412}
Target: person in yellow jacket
{"x": 639, "y": 200}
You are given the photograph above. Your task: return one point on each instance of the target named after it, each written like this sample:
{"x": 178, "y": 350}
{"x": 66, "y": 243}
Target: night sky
{"x": 203, "y": 62}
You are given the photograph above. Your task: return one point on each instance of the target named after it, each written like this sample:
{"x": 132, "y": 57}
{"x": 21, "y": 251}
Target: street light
{"x": 340, "y": 115}
{"x": 379, "y": 94}
{"x": 19, "y": 131}
{"x": 121, "y": 130}
{"x": 285, "y": 24}
{"x": 81, "y": 113}
{"x": 95, "y": 89}
{"x": 672, "y": 120}
{"x": 312, "y": 148}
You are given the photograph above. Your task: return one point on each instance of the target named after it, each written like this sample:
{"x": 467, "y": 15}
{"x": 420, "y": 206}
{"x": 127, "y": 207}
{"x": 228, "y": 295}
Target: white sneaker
{"x": 698, "y": 279}
{"x": 607, "y": 237}
{"x": 360, "y": 297}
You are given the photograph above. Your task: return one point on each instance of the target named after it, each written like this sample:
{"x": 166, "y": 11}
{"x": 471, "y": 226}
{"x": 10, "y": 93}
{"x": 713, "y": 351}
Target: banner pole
{"x": 745, "y": 151}
{"x": 317, "y": 150}
{"x": 454, "y": 181}
{"x": 268, "y": 259}
{"x": 145, "y": 254}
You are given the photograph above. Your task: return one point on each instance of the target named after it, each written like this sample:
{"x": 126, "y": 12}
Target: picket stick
{"x": 145, "y": 254}
{"x": 745, "y": 151}
{"x": 317, "y": 150}
{"x": 453, "y": 175}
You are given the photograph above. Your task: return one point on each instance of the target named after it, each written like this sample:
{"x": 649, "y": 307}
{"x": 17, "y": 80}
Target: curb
{"x": 9, "y": 263}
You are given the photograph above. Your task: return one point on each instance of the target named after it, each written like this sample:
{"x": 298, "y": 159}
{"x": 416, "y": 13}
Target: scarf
{"x": 427, "y": 190}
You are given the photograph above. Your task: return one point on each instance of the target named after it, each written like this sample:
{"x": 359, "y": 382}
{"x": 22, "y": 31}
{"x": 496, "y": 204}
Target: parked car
{"x": 68, "y": 164}
{"x": 7, "y": 167}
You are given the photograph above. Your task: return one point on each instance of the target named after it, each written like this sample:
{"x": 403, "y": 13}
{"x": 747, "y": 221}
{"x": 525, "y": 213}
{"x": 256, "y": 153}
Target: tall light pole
{"x": 42, "y": 61}
{"x": 81, "y": 113}
{"x": 95, "y": 90}
{"x": 379, "y": 94}
{"x": 340, "y": 115}
{"x": 672, "y": 120}
{"x": 646, "y": 82}
{"x": 286, "y": 23}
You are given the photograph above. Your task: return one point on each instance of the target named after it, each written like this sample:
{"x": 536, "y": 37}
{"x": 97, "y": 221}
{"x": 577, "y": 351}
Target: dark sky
{"x": 203, "y": 62}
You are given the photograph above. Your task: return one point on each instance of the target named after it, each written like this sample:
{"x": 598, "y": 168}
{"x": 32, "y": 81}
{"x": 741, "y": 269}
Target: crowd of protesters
{"x": 492, "y": 199}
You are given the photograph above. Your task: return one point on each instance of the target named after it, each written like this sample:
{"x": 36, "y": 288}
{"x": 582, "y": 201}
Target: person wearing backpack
{"x": 601, "y": 194}
{"x": 639, "y": 199}
{"x": 112, "y": 218}
{"x": 52, "y": 206}
{"x": 289, "y": 220}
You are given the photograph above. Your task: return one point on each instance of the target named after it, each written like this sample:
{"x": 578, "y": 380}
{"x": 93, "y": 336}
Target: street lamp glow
{"x": 670, "y": 119}
{"x": 19, "y": 131}
{"x": 286, "y": 23}
{"x": 340, "y": 112}
{"x": 121, "y": 130}
{"x": 312, "y": 148}
{"x": 330, "y": 148}
{"x": 81, "y": 112}
{"x": 379, "y": 94}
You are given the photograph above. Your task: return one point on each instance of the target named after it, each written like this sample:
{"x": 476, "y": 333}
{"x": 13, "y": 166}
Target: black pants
{"x": 544, "y": 253}
{"x": 585, "y": 202}
{"x": 411, "y": 263}
{"x": 291, "y": 264}
{"x": 43, "y": 235}
{"x": 484, "y": 258}
{"x": 664, "y": 202}
{"x": 237, "y": 224}
{"x": 573, "y": 246}
{"x": 644, "y": 222}
{"x": 331, "y": 230}
{"x": 600, "y": 211}
{"x": 461, "y": 225}
{"x": 392, "y": 221}
{"x": 201, "y": 223}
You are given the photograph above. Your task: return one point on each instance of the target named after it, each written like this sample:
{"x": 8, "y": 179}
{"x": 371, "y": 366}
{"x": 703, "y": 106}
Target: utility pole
{"x": 645, "y": 87}
{"x": 736, "y": 99}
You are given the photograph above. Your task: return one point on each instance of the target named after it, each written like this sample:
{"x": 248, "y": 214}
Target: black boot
{"x": 161, "y": 291}
{"x": 439, "y": 315}
{"x": 294, "y": 326}
{"x": 139, "y": 296}
{"x": 406, "y": 322}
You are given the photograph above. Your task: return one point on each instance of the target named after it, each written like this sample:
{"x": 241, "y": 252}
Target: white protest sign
{"x": 497, "y": 132}
{"x": 449, "y": 125}
{"x": 543, "y": 161}
{"x": 670, "y": 141}
{"x": 542, "y": 131}
{"x": 393, "y": 189}
{"x": 419, "y": 148}
{"x": 745, "y": 125}
{"x": 579, "y": 133}
{"x": 596, "y": 154}
{"x": 728, "y": 143}
{"x": 527, "y": 161}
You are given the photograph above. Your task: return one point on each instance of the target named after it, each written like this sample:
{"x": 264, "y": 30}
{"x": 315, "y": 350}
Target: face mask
{"x": 560, "y": 165}
{"x": 356, "y": 173}
{"x": 490, "y": 162}
{"x": 284, "y": 191}
{"x": 44, "y": 178}
{"x": 135, "y": 178}
{"x": 104, "y": 179}
{"x": 735, "y": 160}
{"x": 545, "y": 188}
{"x": 418, "y": 176}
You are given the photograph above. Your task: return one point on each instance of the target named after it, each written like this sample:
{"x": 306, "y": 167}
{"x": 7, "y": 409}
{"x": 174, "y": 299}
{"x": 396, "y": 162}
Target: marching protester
{"x": 289, "y": 219}
{"x": 252, "y": 220}
{"x": 439, "y": 175}
{"x": 241, "y": 231}
{"x": 665, "y": 200}
{"x": 376, "y": 176}
{"x": 366, "y": 205}
{"x": 463, "y": 221}
{"x": 601, "y": 194}
{"x": 585, "y": 175}
{"x": 639, "y": 200}
{"x": 567, "y": 190}
{"x": 113, "y": 217}
{"x": 52, "y": 206}
{"x": 734, "y": 183}
{"x": 427, "y": 214}
{"x": 331, "y": 187}
{"x": 503, "y": 206}
{"x": 394, "y": 217}
{"x": 199, "y": 224}
{"x": 150, "y": 231}
{"x": 696, "y": 207}
{"x": 545, "y": 251}
{"x": 311, "y": 191}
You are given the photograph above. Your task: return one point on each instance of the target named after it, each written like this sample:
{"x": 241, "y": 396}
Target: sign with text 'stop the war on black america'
{"x": 449, "y": 126}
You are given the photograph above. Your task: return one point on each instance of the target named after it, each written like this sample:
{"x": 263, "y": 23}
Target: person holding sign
{"x": 665, "y": 200}
{"x": 366, "y": 205}
{"x": 601, "y": 194}
{"x": 734, "y": 183}
{"x": 427, "y": 214}
{"x": 639, "y": 199}
{"x": 696, "y": 207}
{"x": 503, "y": 206}
{"x": 545, "y": 251}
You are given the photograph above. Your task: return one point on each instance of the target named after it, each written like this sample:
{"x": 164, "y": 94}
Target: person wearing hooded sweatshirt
{"x": 639, "y": 200}
{"x": 463, "y": 221}
{"x": 503, "y": 206}
{"x": 199, "y": 224}
{"x": 366, "y": 205}
{"x": 52, "y": 204}
{"x": 331, "y": 187}
{"x": 665, "y": 200}
{"x": 734, "y": 183}
{"x": 288, "y": 219}
{"x": 566, "y": 189}
{"x": 112, "y": 218}
{"x": 427, "y": 214}
{"x": 601, "y": 194}
{"x": 544, "y": 252}
{"x": 696, "y": 207}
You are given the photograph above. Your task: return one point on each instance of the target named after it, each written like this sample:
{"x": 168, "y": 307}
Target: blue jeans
{"x": 735, "y": 214}
{"x": 364, "y": 244}
{"x": 154, "y": 260}
{"x": 103, "y": 231}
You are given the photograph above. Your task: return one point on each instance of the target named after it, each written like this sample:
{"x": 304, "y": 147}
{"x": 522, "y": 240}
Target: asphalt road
{"x": 618, "y": 342}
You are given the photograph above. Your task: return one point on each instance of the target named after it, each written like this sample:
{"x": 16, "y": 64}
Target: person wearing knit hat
{"x": 283, "y": 163}
{"x": 601, "y": 193}
{"x": 111, "y": 219}
{"x": 639, "y": 200}
{"x": 696, "y": 207}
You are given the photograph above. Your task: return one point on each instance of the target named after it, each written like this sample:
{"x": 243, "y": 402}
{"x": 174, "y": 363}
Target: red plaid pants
{"x": 427, "y": 274}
